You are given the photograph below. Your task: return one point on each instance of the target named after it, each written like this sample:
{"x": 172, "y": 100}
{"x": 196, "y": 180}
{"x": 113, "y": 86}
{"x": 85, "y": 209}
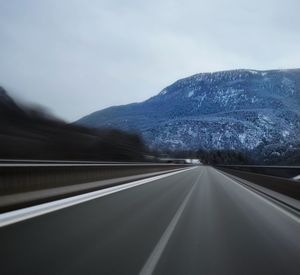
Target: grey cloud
{"x": 80, "y": 56}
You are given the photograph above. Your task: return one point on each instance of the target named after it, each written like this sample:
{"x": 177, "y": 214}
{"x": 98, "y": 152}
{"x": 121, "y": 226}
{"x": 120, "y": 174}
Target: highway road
{"x": 198, "y": 221}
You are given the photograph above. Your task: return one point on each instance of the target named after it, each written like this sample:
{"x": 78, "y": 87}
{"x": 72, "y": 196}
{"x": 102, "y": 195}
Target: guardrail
{"x": 273, "y": 182}
{"x": 25, "y": 177}
{"x": 272, "y": 170}
{"x": 26, "y": 183}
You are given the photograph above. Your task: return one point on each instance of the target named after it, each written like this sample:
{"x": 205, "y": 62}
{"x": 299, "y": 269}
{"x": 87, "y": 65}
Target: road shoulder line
{"x": 279, "y": 205}
{"x": 41, "y": 209}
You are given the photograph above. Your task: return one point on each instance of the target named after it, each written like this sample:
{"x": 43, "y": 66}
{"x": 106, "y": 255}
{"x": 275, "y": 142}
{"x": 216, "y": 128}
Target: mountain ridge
{"x": 234, "y": 109}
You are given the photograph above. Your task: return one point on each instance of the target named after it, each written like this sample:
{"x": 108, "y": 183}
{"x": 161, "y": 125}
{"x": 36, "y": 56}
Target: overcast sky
{"x": 79, "y": 56}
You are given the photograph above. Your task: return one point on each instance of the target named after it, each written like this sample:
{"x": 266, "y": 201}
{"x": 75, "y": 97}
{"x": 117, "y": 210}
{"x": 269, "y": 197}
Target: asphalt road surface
{"x": 194, "y": 222}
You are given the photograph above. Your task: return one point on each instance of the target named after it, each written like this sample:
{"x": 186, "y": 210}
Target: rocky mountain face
{"x": 239, "y": 110}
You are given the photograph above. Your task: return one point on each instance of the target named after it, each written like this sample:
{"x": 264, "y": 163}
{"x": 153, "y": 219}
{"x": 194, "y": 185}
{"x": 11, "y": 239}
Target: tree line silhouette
{"x": 30, "y": 133}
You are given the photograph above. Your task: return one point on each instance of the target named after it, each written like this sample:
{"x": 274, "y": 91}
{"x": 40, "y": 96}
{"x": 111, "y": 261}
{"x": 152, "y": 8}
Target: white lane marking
{"x": 282, "y": 210}
{"x": 296, "y": 178}
{"x": 41, "y": 209}
{"x": 154, "y": 257}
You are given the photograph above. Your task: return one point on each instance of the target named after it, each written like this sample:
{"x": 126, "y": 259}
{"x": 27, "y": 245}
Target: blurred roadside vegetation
{"x": 28, "y": 132}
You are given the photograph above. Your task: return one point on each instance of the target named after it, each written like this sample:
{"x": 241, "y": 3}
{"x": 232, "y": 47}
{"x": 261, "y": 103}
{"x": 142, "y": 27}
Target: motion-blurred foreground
{"x": 30, "y": 133}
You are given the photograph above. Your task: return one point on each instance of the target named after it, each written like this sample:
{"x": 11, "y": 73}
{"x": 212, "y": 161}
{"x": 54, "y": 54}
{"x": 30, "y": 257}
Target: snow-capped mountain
{"x": 239, "y": 109}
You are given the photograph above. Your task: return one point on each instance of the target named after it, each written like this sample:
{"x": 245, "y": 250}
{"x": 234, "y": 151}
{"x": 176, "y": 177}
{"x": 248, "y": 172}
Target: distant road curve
{"x": 198, "y": 221}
